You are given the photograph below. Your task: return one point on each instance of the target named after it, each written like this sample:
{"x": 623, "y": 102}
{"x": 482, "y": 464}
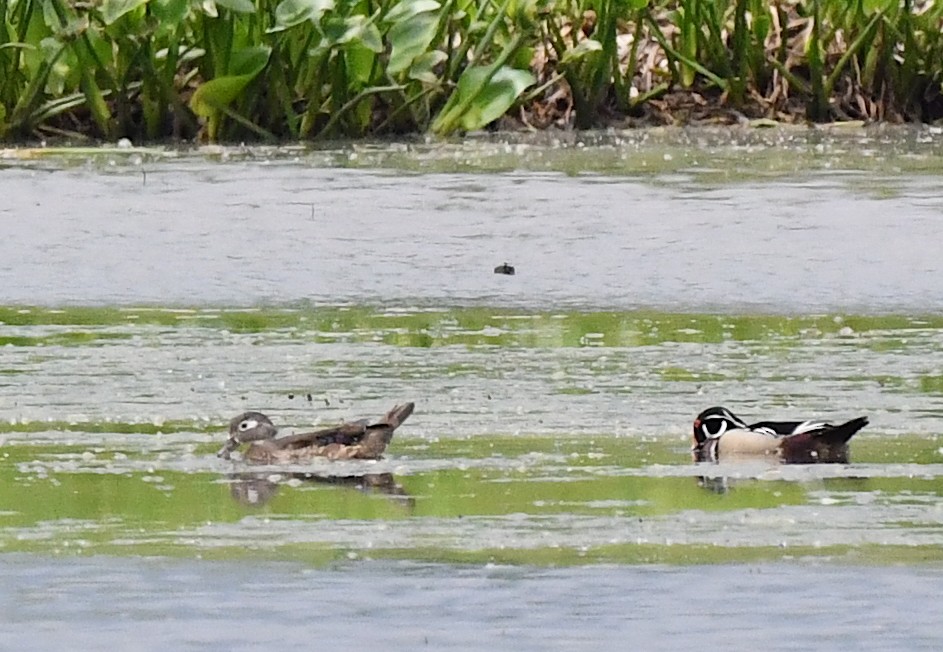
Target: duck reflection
{"x": 717, "y": 485}
{"x": 257, "y": 489}
{"x": 723, "y": 484}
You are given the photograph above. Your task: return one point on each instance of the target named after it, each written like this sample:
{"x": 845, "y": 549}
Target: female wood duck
{"x": 357, "y": 440}
{"x": 718, "y": 433}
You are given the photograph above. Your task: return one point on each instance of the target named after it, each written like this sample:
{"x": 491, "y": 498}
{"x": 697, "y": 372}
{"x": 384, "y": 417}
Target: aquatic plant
{"x": 291, "y": 69}
{"x": 300, "y": 69}
{"x": 734, "y": 59}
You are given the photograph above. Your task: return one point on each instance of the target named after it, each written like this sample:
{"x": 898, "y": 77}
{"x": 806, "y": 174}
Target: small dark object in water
{"x": 308, "y": 396}
{"x": 504, "y": 269}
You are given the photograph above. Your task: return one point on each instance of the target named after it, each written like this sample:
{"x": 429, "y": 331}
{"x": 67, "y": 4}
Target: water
{"x": 542, "y": 495}
{"x": 85, "y": 604}
{"x": 702, "y": 232}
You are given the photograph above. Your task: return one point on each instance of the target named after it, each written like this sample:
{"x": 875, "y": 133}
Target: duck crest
{"x": 713, "y": 422}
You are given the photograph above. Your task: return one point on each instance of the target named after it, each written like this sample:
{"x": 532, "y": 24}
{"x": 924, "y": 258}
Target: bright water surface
{"x": 776, "y": 223}
{"x": 151, "y": 604}
{"x": 541, "y": 497}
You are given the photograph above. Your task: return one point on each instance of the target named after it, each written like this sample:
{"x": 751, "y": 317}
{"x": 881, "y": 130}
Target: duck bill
{"x": 230, "y": 445}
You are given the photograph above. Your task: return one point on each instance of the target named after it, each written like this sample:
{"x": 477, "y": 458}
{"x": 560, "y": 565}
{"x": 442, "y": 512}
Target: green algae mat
{"x": 549, "y": 438}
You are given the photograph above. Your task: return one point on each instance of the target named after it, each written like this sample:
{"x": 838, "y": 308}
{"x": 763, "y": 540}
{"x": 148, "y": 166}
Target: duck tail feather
{"x": 395, "y": 417}
{"x": 842, "y": 433}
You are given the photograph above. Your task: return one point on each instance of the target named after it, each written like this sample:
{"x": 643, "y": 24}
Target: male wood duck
{"x": 719, "y": 433}
{"x": 357, "y": 440}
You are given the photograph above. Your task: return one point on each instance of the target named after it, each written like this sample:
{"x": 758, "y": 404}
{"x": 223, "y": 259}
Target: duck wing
{"x": 840, "y": 434}
{"x": 787, "y": 428}
{"x": 831, "y": 433}
{"x": 825, "y": 443}
{"x": 346, "y": 434}
{"x": 357, "y": 439}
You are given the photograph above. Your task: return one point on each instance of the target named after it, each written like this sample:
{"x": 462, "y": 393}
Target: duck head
{"x": 247, "y": 427}
{"x": 713, "y": 422}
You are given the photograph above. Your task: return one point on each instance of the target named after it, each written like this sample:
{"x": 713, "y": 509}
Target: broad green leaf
{"x": 250, "y": 61}
{"x": 359, "y": 61}
{"x": 64, "y": 72}
{"x": 491, "y": 99}
{"x": 221, "y": 91}
{"x": 584, "y": 48}
{"x": 74, "y": 28}
{"x": 36, "y": 31}
{"x": 170, "y": 12}
{"x": 478, "y": 27}
{"x": 761, "y": 26}
{"x": 353, "y": 29}
{"x": 364, "y": 113}
{"x": 209, "y": 8}
{"x": 410, "y": 38}
{"x": 50, "y": 17}
{"x": 50, "y": 47}
{"x": 112, "y": 10}
{"x": 290, "y": 13}
{"x": 406, "y": 9}
{"x": 239, "y": 6}
{"x": 870, "y": 6}
{"x": 370, "y": 37}
{"x": 522, "y": 57}
{"x": 423, "y": 68}
{"x": 635, "y": 5}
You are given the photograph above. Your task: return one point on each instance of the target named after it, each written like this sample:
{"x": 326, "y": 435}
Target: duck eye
{"x": 715, "y": 427}
{"x": 248, "y": 424}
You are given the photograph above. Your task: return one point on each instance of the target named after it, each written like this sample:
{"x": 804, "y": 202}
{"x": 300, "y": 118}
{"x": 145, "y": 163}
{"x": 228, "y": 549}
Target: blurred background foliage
{"x": 228, "y": 70}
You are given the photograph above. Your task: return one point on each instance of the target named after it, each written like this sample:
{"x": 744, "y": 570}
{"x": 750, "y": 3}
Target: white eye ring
{"x": 248, "y": 424}
{"x": 720, "y": 431}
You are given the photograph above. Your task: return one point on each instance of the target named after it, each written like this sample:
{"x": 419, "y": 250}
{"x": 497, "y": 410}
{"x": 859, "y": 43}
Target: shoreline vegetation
{"x": 283, "y": 70}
